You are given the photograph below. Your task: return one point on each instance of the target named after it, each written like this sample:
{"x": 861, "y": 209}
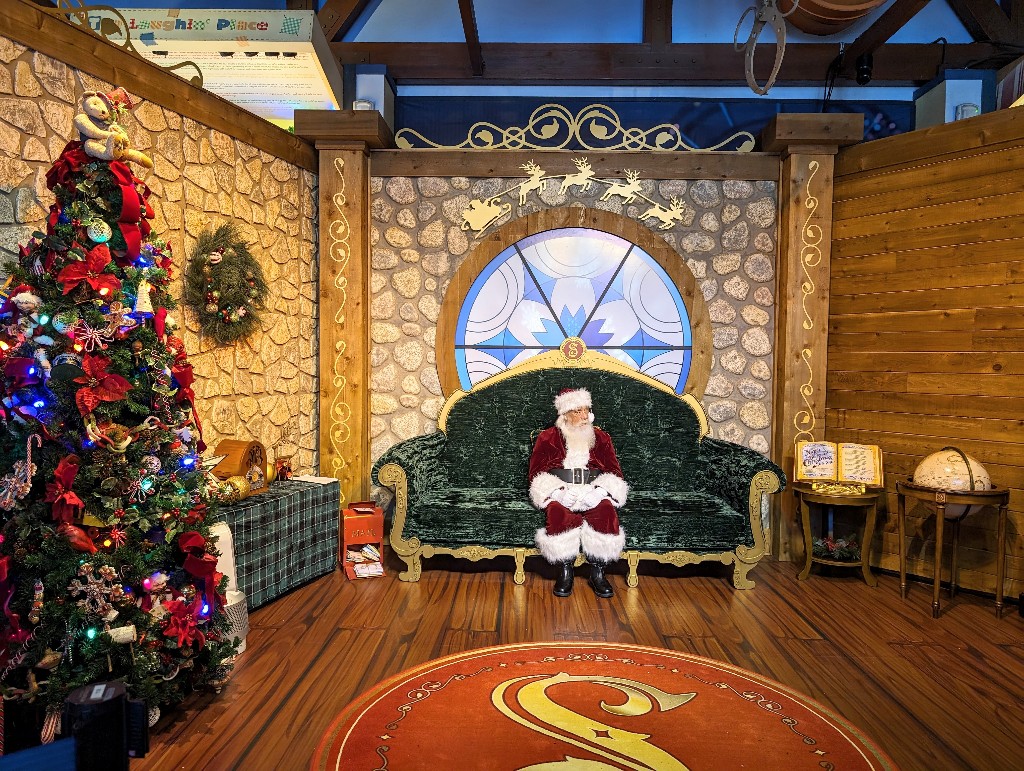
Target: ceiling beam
{"x": 300, "y": 5}
{"x": 337, "y": 16}
{"x": 883, "y": 28}
{"x": 985, "y": 20}
{"x": 677, "y": 63}
{"x": 658, "y": 22}
{"x": 476, "y": 57}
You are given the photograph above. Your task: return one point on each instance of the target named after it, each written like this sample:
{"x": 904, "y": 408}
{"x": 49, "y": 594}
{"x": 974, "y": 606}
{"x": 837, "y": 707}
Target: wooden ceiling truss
{"x": 998, "y": 30}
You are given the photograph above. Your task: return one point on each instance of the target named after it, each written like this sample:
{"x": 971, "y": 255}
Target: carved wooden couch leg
{"x": 633, "y": 559}
{"x": 520, "y": 575}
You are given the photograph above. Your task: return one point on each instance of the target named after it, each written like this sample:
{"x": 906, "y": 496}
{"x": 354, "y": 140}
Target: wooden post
{"x": 343, "y": 140}
{"x": 808, "y": 145}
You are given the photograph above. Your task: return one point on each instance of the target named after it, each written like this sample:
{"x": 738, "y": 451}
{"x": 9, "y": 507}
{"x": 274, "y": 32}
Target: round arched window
{"x": 573, "y": 283}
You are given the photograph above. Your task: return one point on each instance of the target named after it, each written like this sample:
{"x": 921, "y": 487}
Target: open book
{"x": 842, "y": 462}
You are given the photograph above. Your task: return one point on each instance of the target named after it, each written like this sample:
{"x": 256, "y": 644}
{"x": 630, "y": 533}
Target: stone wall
{"x": 264, "y": 388}
{"x": 726, "y": 236}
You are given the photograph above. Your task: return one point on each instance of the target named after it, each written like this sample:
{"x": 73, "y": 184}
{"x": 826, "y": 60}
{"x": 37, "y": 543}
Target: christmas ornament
{"x": 224, "y": 286}
{"x": 90, "y": 339}
{"x": 98, "y": 231}
{"x": 122, "y": 634}
{"x": 143, "y": 302}
{"x": 18, "y": 483}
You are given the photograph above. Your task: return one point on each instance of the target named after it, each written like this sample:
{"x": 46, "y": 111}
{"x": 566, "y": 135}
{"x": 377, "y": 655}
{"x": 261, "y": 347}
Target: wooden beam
{"x": 300, "y": 5}
{"x": 337, "y": 16}
{"x": 883, "y": 28}
{"x": 476, "y": 58}
{"x": 367, "y": 127}
{"x": 658, "y": 22}
{"x": 26, "y": 23}
{"x": 631, "y": 63}
{"x": 985, "y": 20}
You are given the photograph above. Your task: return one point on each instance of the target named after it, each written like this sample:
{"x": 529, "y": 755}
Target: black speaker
{"x": 107, "y": 726}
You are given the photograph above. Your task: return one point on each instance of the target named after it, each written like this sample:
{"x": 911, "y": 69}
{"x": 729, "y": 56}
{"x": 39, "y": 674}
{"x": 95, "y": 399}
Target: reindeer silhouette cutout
{"x": 535, "y": 182}
{"x": 582, "y": 177}
{"x": 627, "y": 192}
{"x": 668, "y": 217}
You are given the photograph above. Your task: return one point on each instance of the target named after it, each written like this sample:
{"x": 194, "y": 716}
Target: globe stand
{"x": 971, "y": 501}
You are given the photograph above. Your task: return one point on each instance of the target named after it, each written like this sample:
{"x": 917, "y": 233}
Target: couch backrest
{"x": 491, "y": 431}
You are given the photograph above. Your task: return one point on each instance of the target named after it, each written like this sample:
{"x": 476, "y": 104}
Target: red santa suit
{"x": 580, "y": 504}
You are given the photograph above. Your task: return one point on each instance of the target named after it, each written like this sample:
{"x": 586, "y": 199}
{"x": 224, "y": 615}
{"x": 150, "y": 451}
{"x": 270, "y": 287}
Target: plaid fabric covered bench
{"x": 284, "y": 537}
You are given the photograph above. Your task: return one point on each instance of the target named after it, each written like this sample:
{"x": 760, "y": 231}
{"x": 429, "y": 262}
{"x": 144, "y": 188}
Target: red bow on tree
{"x": 90, "y": 271}
{"x": 98, "y": 384}
{"x": 22, "y": 371}
{"x": 72, "y": 158}
{"x": 182, "y": 622}
{"x": 200, "y": 564}
{"x": 65, "y": 502}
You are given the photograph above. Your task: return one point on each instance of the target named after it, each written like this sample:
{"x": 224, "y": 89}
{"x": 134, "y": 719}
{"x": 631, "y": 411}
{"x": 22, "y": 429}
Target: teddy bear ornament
{"x": 101, "y": 135}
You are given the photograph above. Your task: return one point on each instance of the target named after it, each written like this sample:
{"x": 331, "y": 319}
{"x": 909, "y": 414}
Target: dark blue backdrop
{"x": 702, "y": 123}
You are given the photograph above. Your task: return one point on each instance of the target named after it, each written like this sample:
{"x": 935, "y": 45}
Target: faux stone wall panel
{"x": 201, "y": 179}
{"x": 726, "y": 236}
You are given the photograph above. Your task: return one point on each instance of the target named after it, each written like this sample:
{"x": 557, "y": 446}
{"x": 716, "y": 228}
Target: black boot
{"x": 598, "y": 582}
{"x": 564, "y": 577}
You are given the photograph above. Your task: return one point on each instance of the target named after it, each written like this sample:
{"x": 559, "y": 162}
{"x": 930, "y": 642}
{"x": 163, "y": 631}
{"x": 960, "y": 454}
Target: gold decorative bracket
{"x": 106, "y": 22}
{"x": 596, "y": 127}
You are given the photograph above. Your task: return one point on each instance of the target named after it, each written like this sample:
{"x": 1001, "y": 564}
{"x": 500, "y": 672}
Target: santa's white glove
{"x": 591, "y": 498}
{"x": 567, "y": 496}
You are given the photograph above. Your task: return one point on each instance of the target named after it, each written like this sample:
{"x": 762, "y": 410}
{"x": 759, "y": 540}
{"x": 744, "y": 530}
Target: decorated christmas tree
{"x": 107, "y": 569}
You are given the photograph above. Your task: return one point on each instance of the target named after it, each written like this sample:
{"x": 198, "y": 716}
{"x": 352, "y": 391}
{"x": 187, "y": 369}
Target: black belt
{"x": 575, "y": 476}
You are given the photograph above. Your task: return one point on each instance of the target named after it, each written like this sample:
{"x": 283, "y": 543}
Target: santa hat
{"x": 116, "y": 100}
{"x": 570, "y": 399}
{"x": 21, "y": 289}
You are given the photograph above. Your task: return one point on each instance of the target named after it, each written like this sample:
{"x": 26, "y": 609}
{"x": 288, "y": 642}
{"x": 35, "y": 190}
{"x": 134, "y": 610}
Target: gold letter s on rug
{"x": 628, "y": 749}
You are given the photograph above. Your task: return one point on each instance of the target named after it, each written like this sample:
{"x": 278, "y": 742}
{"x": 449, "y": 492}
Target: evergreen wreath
{"x": 224, "y": 286}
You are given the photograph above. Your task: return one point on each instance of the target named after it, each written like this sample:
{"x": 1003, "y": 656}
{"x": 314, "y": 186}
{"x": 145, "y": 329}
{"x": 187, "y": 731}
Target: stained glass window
{"x": 573, "y": 282}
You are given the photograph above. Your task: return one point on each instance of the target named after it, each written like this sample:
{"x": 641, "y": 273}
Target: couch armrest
{"x": 726, "y": 470}
{"x": 420, "y": 458}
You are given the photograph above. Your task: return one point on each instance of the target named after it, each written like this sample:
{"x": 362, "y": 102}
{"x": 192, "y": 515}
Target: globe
{"x": 956, "y": 471}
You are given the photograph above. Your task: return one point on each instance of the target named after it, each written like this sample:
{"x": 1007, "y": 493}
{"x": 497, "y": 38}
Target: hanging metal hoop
{"x": 765, "y": 13}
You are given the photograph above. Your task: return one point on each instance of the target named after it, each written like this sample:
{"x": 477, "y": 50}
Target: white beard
{"x": 579, "y": 441}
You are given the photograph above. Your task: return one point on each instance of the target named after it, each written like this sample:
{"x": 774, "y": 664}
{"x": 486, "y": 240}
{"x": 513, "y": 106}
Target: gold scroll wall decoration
{"x": 108, "y": 23}
{"x": 555, "y": 127}
{"x": 810, "y": 257}
{"x": 339, "y": 251}
{"x": 483, "y": 213}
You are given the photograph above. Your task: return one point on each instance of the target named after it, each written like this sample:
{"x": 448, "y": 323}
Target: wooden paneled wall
{"x": 926, "y": 321}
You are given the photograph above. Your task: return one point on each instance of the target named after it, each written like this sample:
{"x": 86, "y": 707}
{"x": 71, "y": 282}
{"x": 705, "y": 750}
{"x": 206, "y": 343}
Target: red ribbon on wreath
{"x": 66, "y": 503}
{"x": 91, "y": 272}
{"x": 98, "y": 384}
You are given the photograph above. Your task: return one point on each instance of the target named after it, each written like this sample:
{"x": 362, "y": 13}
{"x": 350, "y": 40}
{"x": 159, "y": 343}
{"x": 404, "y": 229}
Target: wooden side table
{"x": 868, "y": 501}
{"x": 940, "y": 499}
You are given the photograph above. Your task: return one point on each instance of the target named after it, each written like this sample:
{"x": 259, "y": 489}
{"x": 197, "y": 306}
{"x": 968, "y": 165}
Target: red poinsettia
{"x": 66, "y": 503}
{"x": 183, "y": 622}
{"x": 98, "y": 384}
{"x": 91, "y": 271}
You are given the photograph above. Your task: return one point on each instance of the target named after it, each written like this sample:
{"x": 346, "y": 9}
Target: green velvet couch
{"x": 463, "y": 490}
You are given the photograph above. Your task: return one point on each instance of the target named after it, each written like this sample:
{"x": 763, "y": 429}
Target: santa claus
{"x": 576, "y": 480}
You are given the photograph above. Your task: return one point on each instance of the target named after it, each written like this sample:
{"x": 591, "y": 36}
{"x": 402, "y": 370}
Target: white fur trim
{"x": 572, "y": 400}
{"x": 541, "y": 488}
{"x": 604, "y": 547}
{"x": 617, "y": 488}
{"x": 559, "y": 548}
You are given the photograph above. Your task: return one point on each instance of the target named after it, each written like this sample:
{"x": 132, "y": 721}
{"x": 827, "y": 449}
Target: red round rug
{"x": 588, "y": 707}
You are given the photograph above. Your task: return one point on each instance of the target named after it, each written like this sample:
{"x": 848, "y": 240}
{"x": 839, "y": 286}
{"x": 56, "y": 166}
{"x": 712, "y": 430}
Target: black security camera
{"x": 864, "y": 69}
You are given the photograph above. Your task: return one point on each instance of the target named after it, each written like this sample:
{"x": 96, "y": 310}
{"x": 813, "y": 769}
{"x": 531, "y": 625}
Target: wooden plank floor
{"x": 935, "y": 694}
